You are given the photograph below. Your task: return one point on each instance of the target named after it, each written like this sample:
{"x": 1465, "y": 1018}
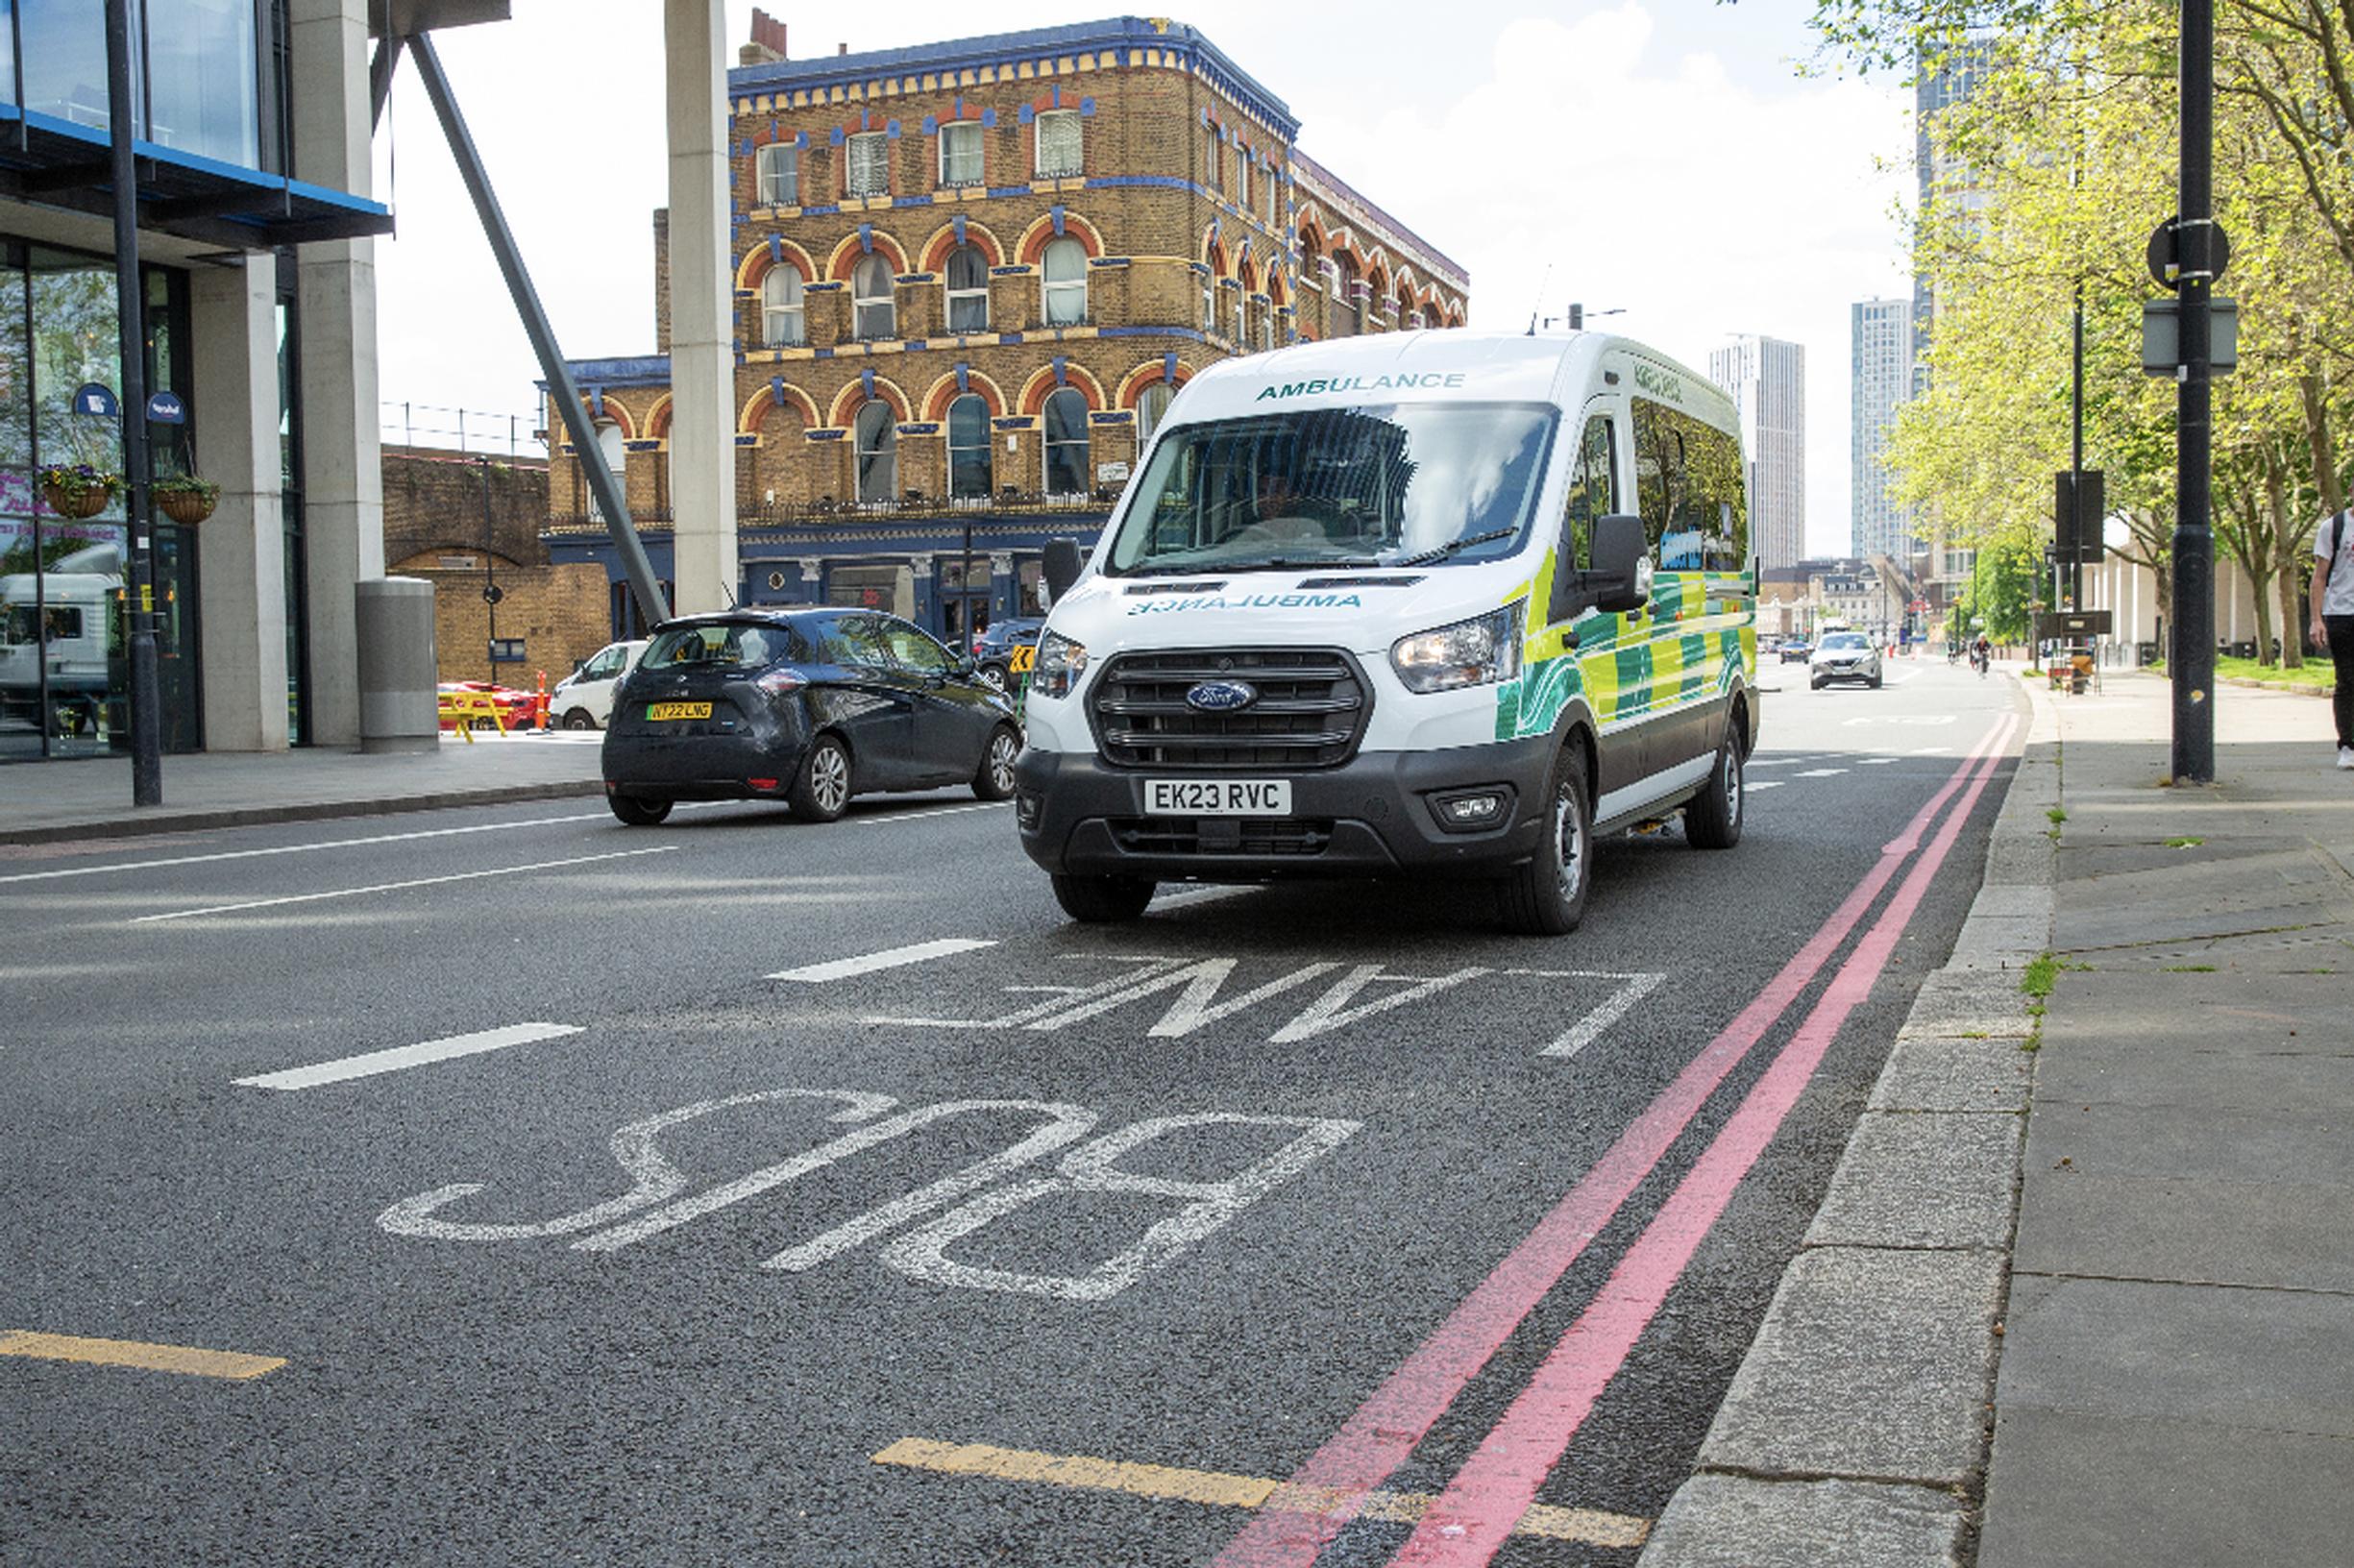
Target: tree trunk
{"x": 2313, "y": 394}
{"x": 2276, "y": 501}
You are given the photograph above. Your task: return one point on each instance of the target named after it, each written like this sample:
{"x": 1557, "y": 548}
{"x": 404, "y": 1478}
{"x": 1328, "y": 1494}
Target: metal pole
{"x": 490, "y": 573}
{"x": 2194, "y": 664}
{"x": 130, "y": 305}
{"x": 2075, "y": 467}
{"x": 379, "y": 77}
{"x": 643, "y": 586}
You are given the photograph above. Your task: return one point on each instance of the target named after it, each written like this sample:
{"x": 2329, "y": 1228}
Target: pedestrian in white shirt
{"x": 2332, "y": 618}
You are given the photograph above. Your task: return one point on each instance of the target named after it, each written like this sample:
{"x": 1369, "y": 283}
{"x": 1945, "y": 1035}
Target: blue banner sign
{"x": 166, "y": 408}
{"x": 98, "y": 399}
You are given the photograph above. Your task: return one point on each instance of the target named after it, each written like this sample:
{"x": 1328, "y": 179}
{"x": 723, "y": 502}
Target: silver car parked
{"x": 1843, "y": 655}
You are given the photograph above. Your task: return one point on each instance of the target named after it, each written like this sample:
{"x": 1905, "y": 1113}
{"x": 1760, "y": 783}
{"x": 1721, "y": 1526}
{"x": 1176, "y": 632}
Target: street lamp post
{"x": 2192, "y": 660}
{"x": 131, "y": 308}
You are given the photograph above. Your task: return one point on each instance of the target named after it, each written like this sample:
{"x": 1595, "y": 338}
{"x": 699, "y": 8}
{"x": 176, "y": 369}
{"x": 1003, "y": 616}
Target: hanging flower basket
{"x": 185, "y": 499}
{"x": 78, "y": 491}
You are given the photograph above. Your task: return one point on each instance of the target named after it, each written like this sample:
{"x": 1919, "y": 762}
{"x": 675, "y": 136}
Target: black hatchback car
{"x": 806, "y": 706}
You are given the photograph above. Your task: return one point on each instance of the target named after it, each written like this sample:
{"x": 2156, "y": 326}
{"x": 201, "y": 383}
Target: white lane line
{"x": 1874, "y": 762}
{"x": 1931, "y": 751}
{"x": 297, "y": 848}
{"x": 885, "y": 818}
{"x": 1200, "y": 895}
{"x": 1751, "y": 787}
{"x": 1589, "y": 1029}
{"x": 407, "y": 1055}
{"x": 890, "y": 958}
{"x": 395, "y": 887}
{"x": 1818, "y": 772}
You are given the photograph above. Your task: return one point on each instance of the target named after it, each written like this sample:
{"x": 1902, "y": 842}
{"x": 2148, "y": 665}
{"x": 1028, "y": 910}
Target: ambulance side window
{"x": 1593, "y": 489}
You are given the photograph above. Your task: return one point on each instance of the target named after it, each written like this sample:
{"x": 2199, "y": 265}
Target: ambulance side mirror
{"x": 1615, "y": 579}
{"x": 1063, "y": 565}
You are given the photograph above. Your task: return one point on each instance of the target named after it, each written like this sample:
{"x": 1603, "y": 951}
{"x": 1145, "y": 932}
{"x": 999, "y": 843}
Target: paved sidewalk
{"x": 45, "y": 801}
{"x": 2176, "y": 1379}
{"x": 2116, "y": 1239}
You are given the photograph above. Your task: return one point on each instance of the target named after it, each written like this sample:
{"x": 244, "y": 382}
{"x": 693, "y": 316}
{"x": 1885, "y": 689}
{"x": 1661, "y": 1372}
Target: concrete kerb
{"x": 1856, "y": 1427}
{"x": 195, "y": 821}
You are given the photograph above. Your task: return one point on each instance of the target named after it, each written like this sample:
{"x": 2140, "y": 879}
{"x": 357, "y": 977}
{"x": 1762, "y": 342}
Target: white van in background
{"x": 1416, "y": 604}
{"x": 584, "y": 699}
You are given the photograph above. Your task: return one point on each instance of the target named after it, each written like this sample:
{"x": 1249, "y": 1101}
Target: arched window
{"x": 615, "y": 446}
{"x": 1066, "y": 443}
{"x": 967, "y": 279}
{"x": 969, "y": 471}
{"x": 1266, "y": 325}
{"x": 780, "y": 175}
{"x": 874, "y": 304}
{"x": 877, "y": 435}
{"x": 782, "y": 320}
{"x": 1344, "y": 296}
{"x": 1150, "y": 406}
{"x": 1242, "y": 321}
{"x": 1064, "y": 267}
{"x": 1209, "y": 301}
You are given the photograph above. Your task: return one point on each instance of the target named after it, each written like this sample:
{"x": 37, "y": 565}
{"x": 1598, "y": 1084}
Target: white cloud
{"x": 1702, "y": 194}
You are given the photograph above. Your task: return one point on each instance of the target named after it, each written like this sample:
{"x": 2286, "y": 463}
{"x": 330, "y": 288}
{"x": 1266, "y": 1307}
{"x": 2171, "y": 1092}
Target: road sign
{"x": 2163, "y": 255}
{"x": 1918, "y": 607}
{"x": 2077, "y": 510}
{"x": 492, "y": 594}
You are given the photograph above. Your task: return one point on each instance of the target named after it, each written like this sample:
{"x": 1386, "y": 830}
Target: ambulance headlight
{"x": 1467, "y": 653}
{"x": 1061, "y": 662}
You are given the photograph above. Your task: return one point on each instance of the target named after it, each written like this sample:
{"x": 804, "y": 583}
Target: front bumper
{"x": 1372, "y": 815}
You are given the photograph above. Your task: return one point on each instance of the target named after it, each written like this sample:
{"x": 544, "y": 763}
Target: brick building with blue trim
{"x": 968, "y": 277}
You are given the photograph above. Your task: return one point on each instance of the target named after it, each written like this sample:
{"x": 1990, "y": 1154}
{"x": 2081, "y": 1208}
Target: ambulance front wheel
{"x": 1546, "y": 897}
{"x": 1713, "y": 818}
{"x": 1102, "y": 901}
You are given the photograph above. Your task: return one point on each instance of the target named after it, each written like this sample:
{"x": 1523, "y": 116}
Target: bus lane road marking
{"x": 397, "y": 887}
{"x": 1216, "y": 1488}
{"x": 397, "y": 1058}
{"x": 188, "y": 1359}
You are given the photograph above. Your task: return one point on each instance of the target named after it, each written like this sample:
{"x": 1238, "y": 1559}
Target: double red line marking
{"x": 1472, "y": 1518}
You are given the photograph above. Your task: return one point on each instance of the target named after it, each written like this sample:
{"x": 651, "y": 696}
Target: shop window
{"x": 1065, "y": 270}
{"x": 960, "y": 152}
{"x": 1066, "y": 443}
{"x": 780, "y": 175}
{"x": 868, "y": 165}
{"x": 966, "y": 281}
{"x": 1057, "y": 144}
{"x": 970, "y": 473}
{"x": 875, "y": 307}
{"x": 876, "y": 436}
{"x": 782, "y": 321}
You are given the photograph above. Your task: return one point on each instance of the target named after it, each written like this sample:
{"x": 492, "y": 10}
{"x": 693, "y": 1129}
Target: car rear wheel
{"x": 639, "y": 810}
{"x": 1103, "y": 900}
{"x": 1713, "y": 818}
{"x": 995, "y": 779}
{"x": 822, "y": 789}
{"x": 995, "y": 674}
{"x": 1547, "y": 896}
{"x": 1874, "y": 684}
{"x": 579, "y": 719}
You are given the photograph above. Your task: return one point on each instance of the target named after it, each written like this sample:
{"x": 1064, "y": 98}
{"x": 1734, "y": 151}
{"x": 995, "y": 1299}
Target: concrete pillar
{"x": 343, "y": 496}
{"x": 233, "y": 313}
{"x": 703, "y": 346}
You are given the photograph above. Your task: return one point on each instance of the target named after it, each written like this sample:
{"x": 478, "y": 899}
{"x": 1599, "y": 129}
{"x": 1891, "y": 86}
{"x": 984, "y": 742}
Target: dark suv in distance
{"x": 807, "y": 707}
{"x": 993, "y": 646}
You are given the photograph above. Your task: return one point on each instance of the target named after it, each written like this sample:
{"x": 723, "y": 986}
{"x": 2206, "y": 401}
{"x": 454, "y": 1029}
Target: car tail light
{"x": 777, "y": 682}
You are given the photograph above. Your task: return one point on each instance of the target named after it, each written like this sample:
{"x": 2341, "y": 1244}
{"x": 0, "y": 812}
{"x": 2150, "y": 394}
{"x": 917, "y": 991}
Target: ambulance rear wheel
{"x": 1547, "y": 896}
{"x": 1713, "y": 818}
{"x": 1103, "y": 900}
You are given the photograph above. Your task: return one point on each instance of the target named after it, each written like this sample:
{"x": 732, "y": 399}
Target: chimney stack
{"x": 842, "y": 48}
{"x": 768, "y": 45}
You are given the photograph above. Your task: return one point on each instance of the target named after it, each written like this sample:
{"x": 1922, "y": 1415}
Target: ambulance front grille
{"x": 1311, "y": 711}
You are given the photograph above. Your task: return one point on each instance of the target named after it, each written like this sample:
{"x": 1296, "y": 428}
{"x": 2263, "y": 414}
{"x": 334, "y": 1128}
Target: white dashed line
{"x": 1754, "y": 786}
{"x": 407, "y": 1055}
{"x": 1820, "y": 772}
{"x": 890, "y": 958}
{"x": 1874, "y": 762}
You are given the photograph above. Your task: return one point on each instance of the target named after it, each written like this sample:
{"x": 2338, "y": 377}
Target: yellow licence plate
{"x": 677, "y": 710}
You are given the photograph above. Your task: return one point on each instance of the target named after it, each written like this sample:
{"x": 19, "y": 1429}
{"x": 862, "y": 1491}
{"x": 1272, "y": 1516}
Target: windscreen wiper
{"x": 1439, "y": 553}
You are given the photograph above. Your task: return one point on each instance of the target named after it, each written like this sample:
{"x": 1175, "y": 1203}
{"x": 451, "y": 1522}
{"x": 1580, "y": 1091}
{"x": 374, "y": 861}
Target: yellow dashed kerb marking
{"x": 181, "y": 1358}
{"x": 1216, "y": 1488}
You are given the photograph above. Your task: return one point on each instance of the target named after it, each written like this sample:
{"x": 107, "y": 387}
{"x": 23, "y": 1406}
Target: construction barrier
{"x": 464, "y": 709}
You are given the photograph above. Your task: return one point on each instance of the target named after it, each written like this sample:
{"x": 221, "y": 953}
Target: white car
{"x": 1843, "y": 655}
{"x": 584, "y": 699}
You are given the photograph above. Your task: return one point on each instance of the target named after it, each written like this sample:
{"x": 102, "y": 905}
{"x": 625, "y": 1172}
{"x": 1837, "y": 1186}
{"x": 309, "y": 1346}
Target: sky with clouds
{"x": 1664, "y": 158}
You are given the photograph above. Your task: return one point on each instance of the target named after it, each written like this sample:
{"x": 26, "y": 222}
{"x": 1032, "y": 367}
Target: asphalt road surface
{"x": 741, "y": 1190}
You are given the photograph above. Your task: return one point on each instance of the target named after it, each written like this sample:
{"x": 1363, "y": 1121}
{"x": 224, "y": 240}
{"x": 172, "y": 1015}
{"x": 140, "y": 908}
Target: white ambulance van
{"x": 1411, "y": 604}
